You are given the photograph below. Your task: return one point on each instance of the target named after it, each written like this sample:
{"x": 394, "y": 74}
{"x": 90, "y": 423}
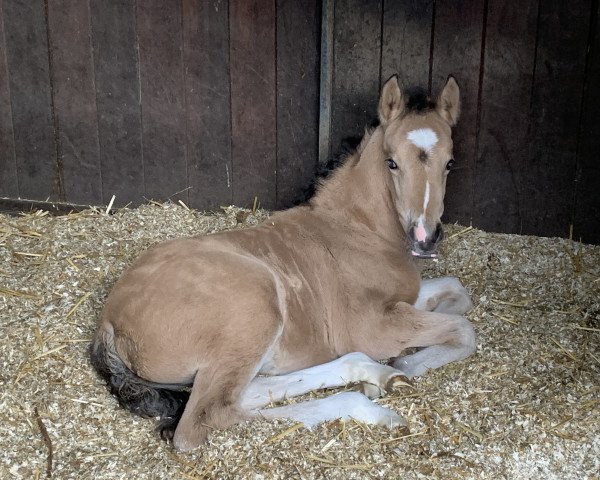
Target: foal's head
{"x": 417, "y": 147}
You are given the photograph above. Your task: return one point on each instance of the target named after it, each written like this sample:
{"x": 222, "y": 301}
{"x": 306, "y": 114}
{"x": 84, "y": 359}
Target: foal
{"x": 310, "y": 285}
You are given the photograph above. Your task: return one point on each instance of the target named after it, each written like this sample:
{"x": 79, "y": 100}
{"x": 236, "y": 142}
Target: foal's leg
{"x": 344, "y": 406}
{"x": 447, "y": 338}
{"x": 443, "y": 295}
{"x": 352, "y": 367}
{"x": 229, "y": 366}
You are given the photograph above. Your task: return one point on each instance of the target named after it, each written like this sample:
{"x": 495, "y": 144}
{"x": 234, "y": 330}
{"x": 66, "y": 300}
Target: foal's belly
{"x": 286, "y": 358}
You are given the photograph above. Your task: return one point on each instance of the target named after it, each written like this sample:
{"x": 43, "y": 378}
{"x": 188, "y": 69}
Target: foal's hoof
{"x": 398, "y": 381}
{"x": 375, "y": 391}
{"x": 166, "y": 428}
{"x": 167, "y": 434}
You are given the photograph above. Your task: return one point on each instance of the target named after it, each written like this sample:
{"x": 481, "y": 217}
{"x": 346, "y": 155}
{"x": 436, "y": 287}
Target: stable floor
{"x": 526, "y": 405}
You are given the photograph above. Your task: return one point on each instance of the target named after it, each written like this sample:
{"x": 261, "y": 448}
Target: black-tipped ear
{"x": 448, "y": 104}
{"x": 391, "y": 102}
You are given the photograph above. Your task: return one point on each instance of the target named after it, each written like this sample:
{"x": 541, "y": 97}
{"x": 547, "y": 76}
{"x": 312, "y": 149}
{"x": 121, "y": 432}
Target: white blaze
{"x": 420, "y": 232}
{"x": 424, "y": 138}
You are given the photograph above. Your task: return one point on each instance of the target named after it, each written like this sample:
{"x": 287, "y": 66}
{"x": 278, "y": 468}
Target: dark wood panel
{"x": 30, "y": 93}
{"x": 75, "y": 100}
{"x": 357, "y": 54}
{"x": 457, "y": 51}
{"x": 406, "y": 42}
{"x": 118, "y": 100}
{"x": 163, "y": 99}
{"x": 253, "y": 102}
{"x": 586, "y": 223}
{"x": 206, "y": 58}
{"x": 549, "y": 174}
{"x": 504, "y": 117}
{"x": 9, "y": 185}
{"x": 298, "y": 39}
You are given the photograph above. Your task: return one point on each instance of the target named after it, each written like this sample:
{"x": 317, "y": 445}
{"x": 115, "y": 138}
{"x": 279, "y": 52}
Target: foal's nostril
{"x": 423, "y": 242}
{"x": 411, "y": 233}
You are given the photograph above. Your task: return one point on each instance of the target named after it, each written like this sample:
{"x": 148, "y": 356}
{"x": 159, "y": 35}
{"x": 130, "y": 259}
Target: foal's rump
{"x": 182, "y": 303}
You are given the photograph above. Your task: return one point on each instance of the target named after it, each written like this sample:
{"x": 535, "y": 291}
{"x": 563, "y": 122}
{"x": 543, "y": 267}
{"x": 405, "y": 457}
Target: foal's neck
{"x": 358, "y": 193}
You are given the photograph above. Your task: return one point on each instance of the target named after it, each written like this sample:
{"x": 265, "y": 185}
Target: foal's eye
{"x": 450, "y": 165}
{"x": 391, "y": 164}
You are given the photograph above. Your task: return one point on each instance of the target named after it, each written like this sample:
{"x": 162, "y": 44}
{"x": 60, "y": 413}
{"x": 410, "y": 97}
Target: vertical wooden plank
{"x": 206, "y": 59}
{"x": 75, "y": 100}
{"x": 118, "y": 100}
{"x": 9, "y": 185}
{"x": 253, "y": 102}
{"x": 163, "y": 99}
{"x": 30, "y": 93}
{"x": 357, "y": 52}
{"x": 457, "y": 51}
{"x": 326, "y": 80}
{"x": 298, "y": 37}
{"x": 502, "y": 149}
{"x": 406, "y": 42}
{"x": 555, "y": 113}
{"x": 586, "y": 222}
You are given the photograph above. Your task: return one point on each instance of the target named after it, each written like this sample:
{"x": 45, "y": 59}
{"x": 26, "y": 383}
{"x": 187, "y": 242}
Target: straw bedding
{"x": 526, "y": 405}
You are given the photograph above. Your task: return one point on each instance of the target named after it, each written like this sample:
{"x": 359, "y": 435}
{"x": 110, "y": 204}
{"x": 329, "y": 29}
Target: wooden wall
{"x": 217, "y": 102}
{"x": 210, "y": 102}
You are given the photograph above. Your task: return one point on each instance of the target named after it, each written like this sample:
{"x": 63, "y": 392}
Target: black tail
{"x": 134, "y": 393}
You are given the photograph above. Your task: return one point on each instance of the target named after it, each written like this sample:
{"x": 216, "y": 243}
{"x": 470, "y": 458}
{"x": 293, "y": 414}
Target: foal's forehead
{"x": 424, "y": 132}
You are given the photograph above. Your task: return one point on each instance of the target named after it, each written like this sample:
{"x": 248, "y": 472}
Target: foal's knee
{"x": 455, "y": 341}
{"x": 457, "y": 333}
{"x": 464, "y": 337}
{"x": 456, "y": 301}
{"x": 444, "y": 295}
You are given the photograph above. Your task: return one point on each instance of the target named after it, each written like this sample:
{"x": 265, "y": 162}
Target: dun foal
{"x": 314, "y": 284}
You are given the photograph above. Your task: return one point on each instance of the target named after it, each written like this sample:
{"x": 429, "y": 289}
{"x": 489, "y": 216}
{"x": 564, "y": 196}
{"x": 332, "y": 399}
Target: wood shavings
{"x": 521, "y": 407}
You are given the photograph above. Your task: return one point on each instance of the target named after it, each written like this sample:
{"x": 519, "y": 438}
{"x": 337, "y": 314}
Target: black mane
{"x": 324, "y": 170}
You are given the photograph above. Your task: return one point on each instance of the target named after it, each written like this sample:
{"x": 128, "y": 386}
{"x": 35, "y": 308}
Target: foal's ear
{"x": 391, "y": 102}
{"x": 448, "y": 104}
